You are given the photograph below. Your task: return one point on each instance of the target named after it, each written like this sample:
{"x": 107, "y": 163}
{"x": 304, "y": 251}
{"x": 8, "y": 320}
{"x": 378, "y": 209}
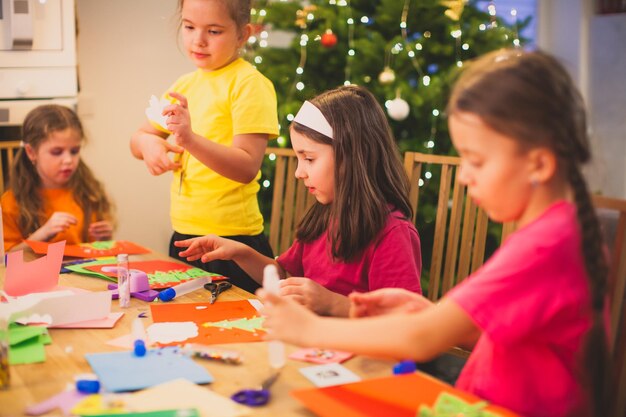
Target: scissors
{"x": 217, "y": 288}
{"x": 256, "y": 397}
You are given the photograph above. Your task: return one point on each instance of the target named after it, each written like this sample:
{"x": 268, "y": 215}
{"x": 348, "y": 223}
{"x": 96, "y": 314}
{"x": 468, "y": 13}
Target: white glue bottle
{"x": 271, "y": 284}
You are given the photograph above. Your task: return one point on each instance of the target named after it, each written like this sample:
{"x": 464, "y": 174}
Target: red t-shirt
{"x": 393, "y": 259}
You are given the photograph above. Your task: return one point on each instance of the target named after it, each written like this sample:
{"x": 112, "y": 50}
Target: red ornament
{"x": 329, "y": 39}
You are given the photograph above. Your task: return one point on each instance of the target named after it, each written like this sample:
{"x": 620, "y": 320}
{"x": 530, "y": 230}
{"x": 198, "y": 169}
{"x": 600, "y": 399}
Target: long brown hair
{"x": 369, "y": 176}
{"x": 530, "y": 97}
{"x": 25, "y": 182}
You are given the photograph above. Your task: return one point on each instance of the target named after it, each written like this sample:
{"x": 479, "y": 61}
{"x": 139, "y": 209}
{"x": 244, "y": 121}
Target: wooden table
{"x": 65, "y": 358}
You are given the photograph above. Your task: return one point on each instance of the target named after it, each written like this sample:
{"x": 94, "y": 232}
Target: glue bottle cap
{"x": 404, "y": 367}
{"x": 88, "y": 386}
{"x": 140, "y": 348}
{"x": 167, "y": 294}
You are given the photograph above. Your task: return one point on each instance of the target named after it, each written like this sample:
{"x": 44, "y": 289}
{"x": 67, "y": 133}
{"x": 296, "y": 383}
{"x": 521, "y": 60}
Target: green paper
{"x": 449, "y": 405}
{"x": 27, "y": 344}
{"x": 79, "y": 268}
{"x": 19, "y": 334}
{"x": 192, "y": 412}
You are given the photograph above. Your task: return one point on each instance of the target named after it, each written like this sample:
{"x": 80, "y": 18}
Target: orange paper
{"x": 398, "y": 396}
{"x": 202, "y": 313}
{"x": 94, "y": 249}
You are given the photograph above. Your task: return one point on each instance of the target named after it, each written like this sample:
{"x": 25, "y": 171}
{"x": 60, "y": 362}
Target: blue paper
{"x": 123, "y": 371}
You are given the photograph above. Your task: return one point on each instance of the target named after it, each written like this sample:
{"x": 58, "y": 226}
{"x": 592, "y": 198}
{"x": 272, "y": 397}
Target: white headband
{"x": 311, "y": 117}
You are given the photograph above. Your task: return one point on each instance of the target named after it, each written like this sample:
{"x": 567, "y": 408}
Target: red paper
{"x": 398, "y": 396}
{"x": 92, "y": 250}
{"x": 160, "y": 267}
{"x": 222, "y": 310}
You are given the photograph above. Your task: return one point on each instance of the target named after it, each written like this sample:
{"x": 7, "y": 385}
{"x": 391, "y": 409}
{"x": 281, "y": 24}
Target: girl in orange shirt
{"x": 52, "y": 194}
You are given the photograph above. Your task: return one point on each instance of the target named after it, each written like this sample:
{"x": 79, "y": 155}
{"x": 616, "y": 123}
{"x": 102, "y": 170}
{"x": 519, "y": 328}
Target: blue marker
{"x": 184, "y": 288}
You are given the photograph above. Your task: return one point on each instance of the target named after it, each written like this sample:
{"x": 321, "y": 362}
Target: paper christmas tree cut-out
{"x": 250, "y": 325}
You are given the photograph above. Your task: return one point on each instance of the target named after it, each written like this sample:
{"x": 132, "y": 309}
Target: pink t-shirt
{"x": 532, "y": 302}
{"x": 392, "y": 260}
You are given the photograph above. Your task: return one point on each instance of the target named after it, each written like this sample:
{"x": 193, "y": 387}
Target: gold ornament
{"x": 455, "y": 8}
{"x": 387, "y": 76}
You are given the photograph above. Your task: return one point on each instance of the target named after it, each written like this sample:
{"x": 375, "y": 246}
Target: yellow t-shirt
{"x": 54, "y": 200}
{"x": 233, "y": 100}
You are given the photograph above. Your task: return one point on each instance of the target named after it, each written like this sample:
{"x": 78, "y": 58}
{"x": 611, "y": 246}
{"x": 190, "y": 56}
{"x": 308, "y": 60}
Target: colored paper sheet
{"x": 186, "y": 412}
{"x": 180, "y": 394}
{"x": 64, "y": 401}
{"x": 223, "y": 322}
{"x": 93, "y": 249}
{"x": 79, "y": 268}
{"x": 161, "y": 273}
{"x": 123, "y": 371}
{"x": 26, "y": 344}
{"x": 63, "y": 307}
{"x": 105, "y": 323}
{"x": 40, "y": 275}
{"x": 398, "y": 396}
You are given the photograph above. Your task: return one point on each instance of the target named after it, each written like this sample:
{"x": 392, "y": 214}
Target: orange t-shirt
{"x": 54, "y": 200}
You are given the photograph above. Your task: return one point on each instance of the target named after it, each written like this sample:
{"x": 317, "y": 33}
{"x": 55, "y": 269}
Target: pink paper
{"x": 65, "y": 400}
{"x": 40, "y": 275}
{"x": 104, "y": 323}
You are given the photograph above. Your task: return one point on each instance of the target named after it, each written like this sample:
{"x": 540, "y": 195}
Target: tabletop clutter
{"x": 157, "y": 369}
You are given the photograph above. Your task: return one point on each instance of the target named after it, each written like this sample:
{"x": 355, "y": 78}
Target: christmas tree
{"x": 407, "y": 53}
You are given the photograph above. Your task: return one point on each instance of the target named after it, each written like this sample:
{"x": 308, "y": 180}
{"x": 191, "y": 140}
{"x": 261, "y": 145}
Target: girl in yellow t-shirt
{"x": 221, "y": 117}
{"x": 52, "y": 194}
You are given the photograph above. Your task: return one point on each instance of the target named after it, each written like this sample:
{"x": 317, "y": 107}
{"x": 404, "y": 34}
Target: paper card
{"x": 27, "y": 344}
{"x": 123, "y": 371}
{"x": 40, "y": 275}
{"x": 93, "y": 249}
{"x": 63, "y": 307}
{"x": 181, "y": 393}
{"x": 223, "y": 322}
{"x": 105, "y": 323}
{"x": 155, "y": 111}
{"x": 397, "y": 395}
{"x": 161, "y": 273}
{"x": 329, "y": 374}
{"x": 320, "y": 356}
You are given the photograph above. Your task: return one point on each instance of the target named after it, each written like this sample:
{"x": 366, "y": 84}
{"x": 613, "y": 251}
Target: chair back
{"x": 8, "y": 149}
{"x": 612, "y": 215}
{"x": 290, "y": 199}
{"x": 460, "y": 227}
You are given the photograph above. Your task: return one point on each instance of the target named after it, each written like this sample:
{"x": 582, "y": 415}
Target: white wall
{"x": 127, "y": 51}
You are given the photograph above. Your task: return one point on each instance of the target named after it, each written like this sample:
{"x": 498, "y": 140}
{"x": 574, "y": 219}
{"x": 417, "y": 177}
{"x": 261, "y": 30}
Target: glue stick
{"x": 271, "y": 284}
{"x": 184, "y": 288}
{"x": 123, "y": 282}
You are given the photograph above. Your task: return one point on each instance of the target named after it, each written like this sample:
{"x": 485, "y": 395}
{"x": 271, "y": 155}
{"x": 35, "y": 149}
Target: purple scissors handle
{"x": 251, "y": 397}
{"x": 256, "y": 397}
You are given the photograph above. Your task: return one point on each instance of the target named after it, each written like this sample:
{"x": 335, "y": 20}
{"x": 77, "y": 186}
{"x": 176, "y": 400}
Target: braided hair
{"x": 549, "y": 112}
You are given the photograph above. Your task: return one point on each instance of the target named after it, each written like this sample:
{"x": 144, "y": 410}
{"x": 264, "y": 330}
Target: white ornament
{"x": 398, "y": 109}
{"x": 387, "y": 76}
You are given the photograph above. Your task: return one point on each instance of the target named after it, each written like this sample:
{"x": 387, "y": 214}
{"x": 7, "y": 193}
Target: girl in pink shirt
{"x": 533, "y": 314}
{"x": 357, "y": 236}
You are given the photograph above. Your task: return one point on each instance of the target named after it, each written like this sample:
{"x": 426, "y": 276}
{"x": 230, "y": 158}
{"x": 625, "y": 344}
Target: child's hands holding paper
{"x": 314, "y": 296}
{"x": 178, "y": 120}
{"x": 386, "y": 301}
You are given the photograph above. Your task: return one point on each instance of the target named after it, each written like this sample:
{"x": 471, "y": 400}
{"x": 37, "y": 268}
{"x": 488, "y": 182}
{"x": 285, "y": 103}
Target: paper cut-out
{"x": 94, "y": 249}
{"x": 123, "y": 371}
{"x": 398, "y": 396}
{"x": 161, "y": 273}
{"x": 40, "y": 275}
{"x": 26, "y": 344}
{"x": 64, "y": 400}
{"x": 155, "y": 111}
{"x": 240, "y": 314}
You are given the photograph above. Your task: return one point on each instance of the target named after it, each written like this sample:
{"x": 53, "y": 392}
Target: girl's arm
{"x": 150, "y": 145}
{"x": 209, "y": 248}
{"x": 420, "y": 336}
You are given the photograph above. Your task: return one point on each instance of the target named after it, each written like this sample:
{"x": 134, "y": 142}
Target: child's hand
{"x": 179, "y": 121}
{"x": 386, "y": 301}
{"x": 155, "y": 151}
{"x": 208, "y": 248}
{"x": 310, "y": 294}
{"x": 102, "y": 230}
{"x": 57, "y": 223}
{"x": 285, "y": 319}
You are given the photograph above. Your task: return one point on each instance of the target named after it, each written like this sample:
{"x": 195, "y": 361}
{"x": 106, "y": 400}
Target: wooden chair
{"x": 290, "y": 199}
{"x": 8, "y": 149}
{"x": 460, "y": 231}
{"x": 612, "y": 214}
